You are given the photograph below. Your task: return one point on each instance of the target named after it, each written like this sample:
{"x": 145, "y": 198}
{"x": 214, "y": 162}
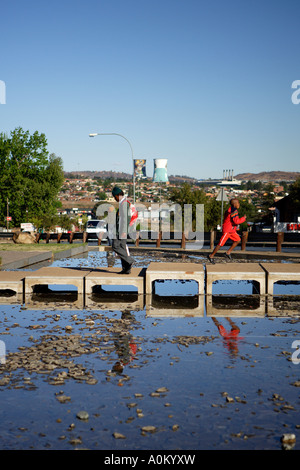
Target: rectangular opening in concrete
{"x": 6, "y": 293}
{"x": 110, "y": 280}
{"x": 110, "y": 288}
{"x": 241, "y": 302}
{"x": 174, "y": 287}
{"x": 53, "y": 288}
{"x": 286, "y": 304}
{"x": 287, "y": 288}
{"x": 61, "y": 296}
{"x": 100, "y": 295}
{"x": 285, "y": 299}
{"x": 235, "y": 287}
{"x": 175, "y": 302}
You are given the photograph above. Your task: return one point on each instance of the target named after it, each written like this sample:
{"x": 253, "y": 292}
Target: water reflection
{"x": 62, "y": 300}
{"x": 125, "y": 344}
{"x": 175, "y": 306}
{"x": 230, "y": 338}
{"x": 283, "y": 305}
{"x": 238, "y": 305}
{"x": 110, "y": 259}
{"x": 50, "y": 355}
{"x": 10, "y": 298}
{"x": 156, "y": 305}
{"x": 123, "y": 301}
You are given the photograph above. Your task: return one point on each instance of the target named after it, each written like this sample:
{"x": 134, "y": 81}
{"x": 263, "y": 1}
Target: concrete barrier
{"x": 111, "y": 277}
{"x": 178, "y": 271}
{"x": 86, "y": 280}
{"x": 55, "y": 276}
{"x": 280, "y": 272}
{"x": 235, "y": 271}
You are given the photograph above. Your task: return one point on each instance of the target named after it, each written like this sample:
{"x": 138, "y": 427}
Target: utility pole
{"x": 7, "y": 214}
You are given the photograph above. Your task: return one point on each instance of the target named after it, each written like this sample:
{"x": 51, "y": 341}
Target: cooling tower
{"x": 160, "y": 170}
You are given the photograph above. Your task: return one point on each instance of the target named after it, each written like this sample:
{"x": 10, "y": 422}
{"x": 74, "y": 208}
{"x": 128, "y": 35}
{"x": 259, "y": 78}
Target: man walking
{"x": 119, "y": 244}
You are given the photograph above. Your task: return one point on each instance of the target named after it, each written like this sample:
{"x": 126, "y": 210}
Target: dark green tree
{"x": 30, "y": 179}
{"x": 295, "y": 193}
{"x": 212, "y": 213}
{"x": 185, "y": 194}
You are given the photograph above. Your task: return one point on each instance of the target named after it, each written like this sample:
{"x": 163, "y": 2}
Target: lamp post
{"x": 120, "y": 135}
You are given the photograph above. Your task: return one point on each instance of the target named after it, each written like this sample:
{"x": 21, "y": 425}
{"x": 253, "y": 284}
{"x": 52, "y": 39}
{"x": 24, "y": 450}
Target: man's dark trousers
{"x": 120, "y": 247}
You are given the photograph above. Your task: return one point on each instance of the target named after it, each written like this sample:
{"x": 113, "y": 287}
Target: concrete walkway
{"x": 22, "y": 259}
{"x": 19, "y": 259}
{"x": 13, "y": 259}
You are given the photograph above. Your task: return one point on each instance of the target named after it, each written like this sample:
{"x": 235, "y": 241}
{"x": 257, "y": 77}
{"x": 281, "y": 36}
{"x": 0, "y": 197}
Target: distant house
{"x": 287, "y": 211}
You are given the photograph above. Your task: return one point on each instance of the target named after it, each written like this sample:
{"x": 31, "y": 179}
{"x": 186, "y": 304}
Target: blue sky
{"x": 205, "y": 84}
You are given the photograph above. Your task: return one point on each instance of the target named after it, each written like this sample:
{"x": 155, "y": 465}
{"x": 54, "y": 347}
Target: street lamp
{"x": 120, "y": 135}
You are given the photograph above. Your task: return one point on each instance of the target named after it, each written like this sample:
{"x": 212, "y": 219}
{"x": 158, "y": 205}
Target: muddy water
{"x": 169, "y": 376}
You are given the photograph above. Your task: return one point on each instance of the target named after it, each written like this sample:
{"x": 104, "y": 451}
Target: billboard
{"x": 139, "y": 168}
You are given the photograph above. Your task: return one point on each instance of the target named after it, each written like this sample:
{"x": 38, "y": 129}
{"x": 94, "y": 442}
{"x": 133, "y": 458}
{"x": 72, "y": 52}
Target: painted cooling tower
{"x": 139, "y": 168}
{"x": 160, "y": 170}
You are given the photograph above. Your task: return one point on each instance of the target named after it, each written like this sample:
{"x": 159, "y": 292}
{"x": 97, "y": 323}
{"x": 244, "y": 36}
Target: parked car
{"x": 94, "y": 227}
{"x": 262, "y": 227}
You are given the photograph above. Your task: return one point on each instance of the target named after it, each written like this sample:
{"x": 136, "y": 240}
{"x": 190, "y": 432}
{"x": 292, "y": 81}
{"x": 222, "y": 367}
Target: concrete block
{"x": 56, "y": 276}
{"x": 111, "y": 277}
{"x": 12, "y": 280}
{"x": 235, "y": 272}
{"x": 175, "y": 271}
{"x": 280, "y": 272}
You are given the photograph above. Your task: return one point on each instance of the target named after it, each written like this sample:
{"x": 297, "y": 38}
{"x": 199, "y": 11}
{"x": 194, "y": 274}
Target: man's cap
{"x": 116, "y": 191}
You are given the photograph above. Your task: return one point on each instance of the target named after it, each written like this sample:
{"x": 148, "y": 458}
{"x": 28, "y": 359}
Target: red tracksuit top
{"x": 232, "y": 220}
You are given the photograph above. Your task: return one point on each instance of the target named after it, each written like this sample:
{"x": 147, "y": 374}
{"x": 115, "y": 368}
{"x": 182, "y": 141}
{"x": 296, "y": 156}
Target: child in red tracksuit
{"x": 231, "y": 221}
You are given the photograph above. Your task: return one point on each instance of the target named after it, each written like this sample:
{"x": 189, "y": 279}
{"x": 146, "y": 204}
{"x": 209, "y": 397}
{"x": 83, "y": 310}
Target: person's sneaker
{"x": 126, "y": 270}
{"x": 211, "y": 260}
{"x": 228, "y": 256}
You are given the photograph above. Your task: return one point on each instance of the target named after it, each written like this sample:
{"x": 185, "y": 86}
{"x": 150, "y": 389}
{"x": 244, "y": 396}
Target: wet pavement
{"x": 169, "y": 377}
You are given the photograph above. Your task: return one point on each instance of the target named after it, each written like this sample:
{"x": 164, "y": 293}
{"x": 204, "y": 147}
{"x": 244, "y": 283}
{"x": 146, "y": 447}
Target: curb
{"x": 22, "y": 260}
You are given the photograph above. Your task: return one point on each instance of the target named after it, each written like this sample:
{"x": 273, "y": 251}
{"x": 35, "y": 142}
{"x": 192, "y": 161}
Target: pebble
{"x": 82, "y": 415}
{"x": 288, "y": 438}
{"x": 229, "y": 400}
{"x": 63, "y": 398}
{"x": 162, "y": 390}
{"x": 118, "y": 435}
{"x": 149, "y": 428}
{"x": 297, "y": 383}
{"x": 75, "y": 441}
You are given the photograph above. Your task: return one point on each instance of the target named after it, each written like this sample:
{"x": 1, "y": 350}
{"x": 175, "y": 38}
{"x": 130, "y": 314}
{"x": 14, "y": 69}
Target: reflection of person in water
{"x": 110, "y": 257}
{"x": 230, "y": 337}
{"x": 126, "y": 348}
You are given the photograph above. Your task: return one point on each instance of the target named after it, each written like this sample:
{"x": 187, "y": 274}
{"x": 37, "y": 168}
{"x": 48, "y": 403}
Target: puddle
{"x": 203, "y": 376}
